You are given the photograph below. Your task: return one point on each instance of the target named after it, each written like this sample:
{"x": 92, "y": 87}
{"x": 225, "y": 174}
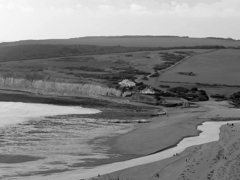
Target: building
{"x": 127, "y": 83}
{"x": 160, "y": 112}
{"x": 148, "y": 90}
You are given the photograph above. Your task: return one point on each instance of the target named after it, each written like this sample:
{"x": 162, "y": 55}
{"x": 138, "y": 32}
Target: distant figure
{"x": 99, "y": 175}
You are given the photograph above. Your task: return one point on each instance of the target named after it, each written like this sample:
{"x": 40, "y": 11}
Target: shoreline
{"x": 206, "y": 117}
{"x": 120, "y": 168}
{"x": 163, "y": 169}
{"x": 105, "y": 107}
{"x": 184, "y": 120}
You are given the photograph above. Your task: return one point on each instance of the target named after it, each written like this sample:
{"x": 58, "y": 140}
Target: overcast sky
{"x": 45, "y": 19}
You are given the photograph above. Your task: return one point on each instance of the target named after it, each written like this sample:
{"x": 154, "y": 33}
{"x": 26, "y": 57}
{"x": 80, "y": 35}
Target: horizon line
{"x": 122, "y": 36}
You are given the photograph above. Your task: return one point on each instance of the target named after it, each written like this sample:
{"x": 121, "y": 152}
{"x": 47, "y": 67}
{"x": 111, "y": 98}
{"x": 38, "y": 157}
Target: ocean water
{"x": 36, "y": 139}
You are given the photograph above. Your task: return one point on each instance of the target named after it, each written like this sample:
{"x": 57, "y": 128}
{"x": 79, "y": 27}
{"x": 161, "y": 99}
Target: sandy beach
{"x": 215, "y": 160}
{"x": 218, "y": 160}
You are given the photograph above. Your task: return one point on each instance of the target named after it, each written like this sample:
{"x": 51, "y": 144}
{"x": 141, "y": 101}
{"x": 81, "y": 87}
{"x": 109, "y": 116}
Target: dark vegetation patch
{"x": 144, "y": 99}
{"x": 187, "y": 73}
{"x": 110, "y": 78}
{"x": 37, "y": 51}
{"x": 145, "y": 78}
{"x": 164, "y": 86}
{"x": 74, "y": 59}
{"x": 235, "y": 99}
{"x": 170, "y": 59}
{"x": 215, "y": 85}
{"x": 219, "y": 97}
{"x": 86, "y": 68}
{"x": 113, "y": 78}
{"x": 188, "y": 53}
{"x": 43, "y": 51}
{"x": 193, "y": 94}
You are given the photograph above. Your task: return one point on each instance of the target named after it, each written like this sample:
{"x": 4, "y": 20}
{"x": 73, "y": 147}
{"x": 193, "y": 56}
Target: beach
{"x": 213, "y": 160}
{"x": 123, "y": 143}
{"x": 37, "y": 138}
{"x": 47, "y": 135}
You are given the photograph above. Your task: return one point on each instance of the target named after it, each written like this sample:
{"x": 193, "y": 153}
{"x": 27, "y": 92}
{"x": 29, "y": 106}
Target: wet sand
{"x": 207, "y": 161}
{"x": 216, "y": 160}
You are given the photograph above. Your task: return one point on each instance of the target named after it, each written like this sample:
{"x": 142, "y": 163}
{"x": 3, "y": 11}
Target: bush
{"x": 179, "y": 90}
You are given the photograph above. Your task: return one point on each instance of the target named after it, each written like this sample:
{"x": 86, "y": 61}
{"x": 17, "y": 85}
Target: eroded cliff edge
{"x": 44, "y": 84}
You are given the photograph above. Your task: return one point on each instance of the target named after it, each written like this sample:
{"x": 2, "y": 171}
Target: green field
{"x": 220, "y": 67}
{"x": 152, "y": 60}
{"x": 106, "y": 69}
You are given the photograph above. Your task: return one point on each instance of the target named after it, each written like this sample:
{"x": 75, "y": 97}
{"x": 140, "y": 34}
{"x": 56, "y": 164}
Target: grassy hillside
{"x": 41, "y": 51}
{"x": 108, "y": 60}
{"x": 136, "y": 41}
{"x": 106, "y": 69}
{"x": 217, "y": 67}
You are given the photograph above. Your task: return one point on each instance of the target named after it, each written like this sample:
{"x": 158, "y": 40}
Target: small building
{"x": 127, "y": 83}
{"x": 142, "y": 98}
{"x": 148, "y": 90}
{"x": 160, "y": 112}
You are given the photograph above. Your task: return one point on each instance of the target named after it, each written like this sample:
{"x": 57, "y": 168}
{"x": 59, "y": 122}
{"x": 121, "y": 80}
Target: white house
{"x": 127, "y": 83}
{"x": 148, "y": 91}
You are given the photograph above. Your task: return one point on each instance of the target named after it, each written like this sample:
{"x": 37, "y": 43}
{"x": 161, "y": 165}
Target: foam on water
{"x": 57, "y": 142}
{"x": 16, "y": 112}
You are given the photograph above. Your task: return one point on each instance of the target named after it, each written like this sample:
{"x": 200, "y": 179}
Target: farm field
{"x": 220, "y": 67}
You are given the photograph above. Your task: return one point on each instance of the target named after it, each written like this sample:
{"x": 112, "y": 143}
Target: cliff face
{"x": 48, "y": 85}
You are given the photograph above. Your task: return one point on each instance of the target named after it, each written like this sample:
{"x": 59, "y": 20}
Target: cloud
{"x": 62, "y": 10}
{"x": 136, "y": 7}
{"x": 221, "y": 9}
{"x": 14, "y": 6}
{"x": 224, "y": 8}
{"x": 104, "y": 6}
{"x": 79, "y": 6}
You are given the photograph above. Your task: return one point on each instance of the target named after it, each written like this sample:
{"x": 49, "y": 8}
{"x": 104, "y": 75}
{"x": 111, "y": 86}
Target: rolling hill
{"x": 135, "y": 41}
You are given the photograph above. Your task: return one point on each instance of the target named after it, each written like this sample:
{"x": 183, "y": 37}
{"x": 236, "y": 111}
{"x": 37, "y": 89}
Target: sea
{"x": 43, "y": 139}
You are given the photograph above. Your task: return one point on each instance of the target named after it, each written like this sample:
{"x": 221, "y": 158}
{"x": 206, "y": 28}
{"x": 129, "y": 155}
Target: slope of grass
{"x": 218, "y": 67}
{"x": 137, "y": 41}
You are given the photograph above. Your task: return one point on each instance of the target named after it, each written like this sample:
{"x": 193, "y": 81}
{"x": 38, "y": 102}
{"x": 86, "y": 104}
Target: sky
{"x": 60, "y": 19}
